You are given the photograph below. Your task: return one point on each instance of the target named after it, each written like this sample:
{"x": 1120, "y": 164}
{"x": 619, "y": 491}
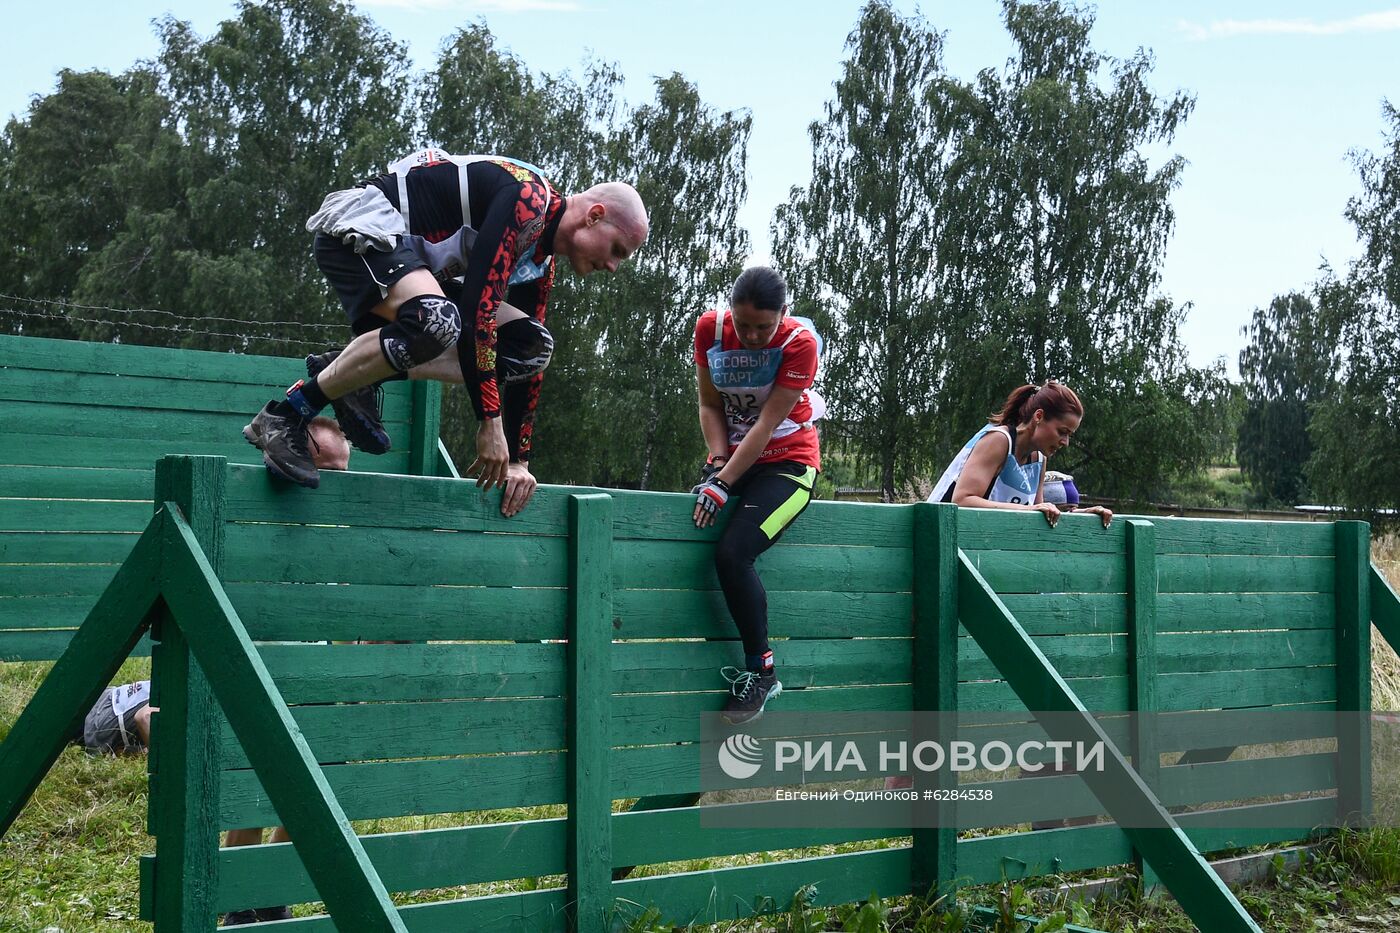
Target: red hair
{"x": 1054, "y": 398}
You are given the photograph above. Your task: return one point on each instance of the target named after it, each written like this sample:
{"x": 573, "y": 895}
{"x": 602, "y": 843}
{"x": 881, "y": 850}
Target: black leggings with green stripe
{"x": 772, "y": 496}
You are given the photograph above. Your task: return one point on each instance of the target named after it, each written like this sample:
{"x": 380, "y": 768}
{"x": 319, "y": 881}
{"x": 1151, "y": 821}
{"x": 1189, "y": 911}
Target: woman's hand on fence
{"x": 1049, "y": 510}
{"x": 1103, "y": 512}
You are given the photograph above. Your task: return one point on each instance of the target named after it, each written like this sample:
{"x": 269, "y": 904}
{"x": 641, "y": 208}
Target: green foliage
{"x": 1287, "y": 366}
{"x": 1352, "y": 430}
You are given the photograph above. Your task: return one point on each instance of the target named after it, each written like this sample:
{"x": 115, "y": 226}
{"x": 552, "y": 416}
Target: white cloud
{"x": 479, "y": 6}
{"x": 1385, "y": 21}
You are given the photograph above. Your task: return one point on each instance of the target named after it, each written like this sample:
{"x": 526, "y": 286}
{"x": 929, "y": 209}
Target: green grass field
{"x": 70, "y": 862}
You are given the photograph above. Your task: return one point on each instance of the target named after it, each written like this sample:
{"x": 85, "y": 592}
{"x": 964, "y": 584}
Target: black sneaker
{"x": 274, "y": 913}
{"x": 749, "y": 693}
{"x": 237, "y": 918}
{"x": 285, "y": 444}
{"x": 360, "y": 413}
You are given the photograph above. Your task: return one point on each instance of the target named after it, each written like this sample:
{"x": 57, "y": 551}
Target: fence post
{"x": 934, "y": 857}
{"x": 1142, "y": 665}
{"x": 590, "y": 711}
{"x": 426, "y": 420}
{"x": 184, "y": 765}
{"x": 1353, "y": 597}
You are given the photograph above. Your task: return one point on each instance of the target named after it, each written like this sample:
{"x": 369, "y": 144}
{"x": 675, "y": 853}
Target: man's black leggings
{"x": 772, "y": 496}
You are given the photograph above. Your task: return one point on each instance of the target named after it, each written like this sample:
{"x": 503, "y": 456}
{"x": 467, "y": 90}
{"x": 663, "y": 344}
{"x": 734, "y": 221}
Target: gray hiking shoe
{"x": 285, "y": 444}
{"x": 749, "y": 693}
{"x": 360, "y": 413}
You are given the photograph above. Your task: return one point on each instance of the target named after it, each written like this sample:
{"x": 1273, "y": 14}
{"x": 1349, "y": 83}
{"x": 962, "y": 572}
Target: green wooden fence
{"x": 81, "y": 426}
{"x": 564, "y": 657}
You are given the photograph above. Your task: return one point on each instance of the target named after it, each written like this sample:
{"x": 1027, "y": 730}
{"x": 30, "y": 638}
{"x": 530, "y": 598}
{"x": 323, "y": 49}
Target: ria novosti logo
{"x": 740, "y": 756}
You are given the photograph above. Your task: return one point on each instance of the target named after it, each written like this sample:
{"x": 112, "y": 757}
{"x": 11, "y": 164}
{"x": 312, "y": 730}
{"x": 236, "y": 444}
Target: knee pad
{"x": 523, "y": 349}
{"x": 425, "y": 326}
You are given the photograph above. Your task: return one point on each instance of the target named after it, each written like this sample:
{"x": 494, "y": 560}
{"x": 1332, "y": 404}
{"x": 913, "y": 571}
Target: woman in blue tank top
{"x": 1003, "y": 465}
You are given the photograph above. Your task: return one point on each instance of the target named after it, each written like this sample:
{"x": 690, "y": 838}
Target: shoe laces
{"x": 740, "y": 681}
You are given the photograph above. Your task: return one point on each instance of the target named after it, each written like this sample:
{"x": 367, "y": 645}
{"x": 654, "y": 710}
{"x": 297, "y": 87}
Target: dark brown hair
{"x": 1054, "y": 398}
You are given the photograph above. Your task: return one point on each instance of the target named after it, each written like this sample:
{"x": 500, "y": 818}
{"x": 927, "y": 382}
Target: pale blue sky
{"x": 1284, "y": 90}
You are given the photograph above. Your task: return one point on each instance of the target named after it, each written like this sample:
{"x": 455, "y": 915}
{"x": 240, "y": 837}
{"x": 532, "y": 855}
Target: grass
{"x": 69, "y": 863}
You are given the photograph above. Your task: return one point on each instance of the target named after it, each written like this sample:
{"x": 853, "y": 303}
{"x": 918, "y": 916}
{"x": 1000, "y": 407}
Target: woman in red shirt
{"x": 755, "y": 366}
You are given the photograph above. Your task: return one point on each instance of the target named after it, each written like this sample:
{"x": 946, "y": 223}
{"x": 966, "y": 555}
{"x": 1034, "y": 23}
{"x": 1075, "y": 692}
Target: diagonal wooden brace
{"x": 84, "y": 670}
{"x": 1201, "y": 893}
{"x": 334, "y": 858}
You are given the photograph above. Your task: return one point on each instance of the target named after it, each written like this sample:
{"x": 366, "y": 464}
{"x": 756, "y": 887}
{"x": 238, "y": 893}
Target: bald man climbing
{"x": 437, "y": 244}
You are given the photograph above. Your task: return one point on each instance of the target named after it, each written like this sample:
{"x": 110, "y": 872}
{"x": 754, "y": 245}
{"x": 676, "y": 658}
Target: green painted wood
{"x": 183, "y": 763}
{"x": 734, "y": 893}
{"x": 1247, "y": 689}
{"x": 653, "y": 516}
{"x": 1029, "y": 572}
{"x": 933, "y": 859}
{"x": 344, "y": 877}
{"x": 426, "y": 416}
{"x": 43, "y": 482}
{"x": 47, "y": 418}
{"x": 992, "y": 529}
{"x": 589, "y": 787}
{"x": 806, "y": 663}
{"x": 991, "y": 859}
{"x": 1354, "y": 671}
{"x": 1385, "y": 609}
{"x": 681, "y": 565}
{"x": 276, "y": 553}
{"x": 105, "y": 392}
{"x": 1215, "y": 537}
{"x": 377, "y": 500}
{"x": 1199, "y": 891}
{"x": 1198, "y": 612}
{"x": 45, "y": 612}
{"x": 45, "y": 547}
{"x": 1143, "y": 648}
{"x": 791, "y": 614}
{"x": 44, "y": 645}
{"x": 1179, "y": 573}
{"x": 314, "y": 612}
{"x": 80, "y": 675}
{"x": 20, "y": 448}
{"x": 1069, "y": 613}
{"x": 72, "y": 515}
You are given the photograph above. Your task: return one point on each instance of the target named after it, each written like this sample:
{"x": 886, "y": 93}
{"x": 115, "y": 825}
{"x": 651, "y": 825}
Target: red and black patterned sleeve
{"x": 532, "y": 297}
{"x": 512, "y": 223}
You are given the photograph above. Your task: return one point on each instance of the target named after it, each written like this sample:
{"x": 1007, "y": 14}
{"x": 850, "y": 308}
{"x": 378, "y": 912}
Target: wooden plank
{"x": 791, "y": 614}
{"x": 1102, "y": 694}
{"x": 1179, "y": 573}
{"x": 45, "y": 612}
{"x": 702, "y": 897}
{"x": 933, "y": 857}
{"x": 1199, "y": 891}
{"x": 690, "y": 565}
{"x": 589, "y": 787}
{"x": 45, "y": 645}
{"x": 19, "y": 547}
{"x": 1385, "y": 609}
{"x": 445, "y": 467}
{"x": 73, "y": 515}
{"x": 1216, "y": 537}
{"x": 105, "y": 392}
{"x": 18, "y": 448}
{"x": 1200, "y": 612}
{"x": 317, "y": 612}
{"x": 1245, "y": 689}
{"x": 1029, "y": 572}
{"x": 37, "y": 580}
{"x": 183, "y": 763}
{"x": 344, "y": 877}
{"x": 278, "y": 553}
{"x": 1069, "y": 613}
{"x": 694, "y": 665}
{"x": 997, "y": 529}
{"x": 43, "y": 482}
{"x": 46, "y": 418}
{"x": 1353, "y": 671}
{"x": 1143, "y": 648}
{"x": 665, "y": 516}
{"x": 373, "y": 500}
{"x": 91, "y": 660}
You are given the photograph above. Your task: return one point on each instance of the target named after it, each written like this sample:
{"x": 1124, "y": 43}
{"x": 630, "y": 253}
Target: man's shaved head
{"x": 625, "y": 209}
{"x": 602, "y": 227}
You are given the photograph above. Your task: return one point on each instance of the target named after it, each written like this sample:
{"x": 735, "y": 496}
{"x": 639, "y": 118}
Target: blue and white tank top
{"x": 1016, "y": 483}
